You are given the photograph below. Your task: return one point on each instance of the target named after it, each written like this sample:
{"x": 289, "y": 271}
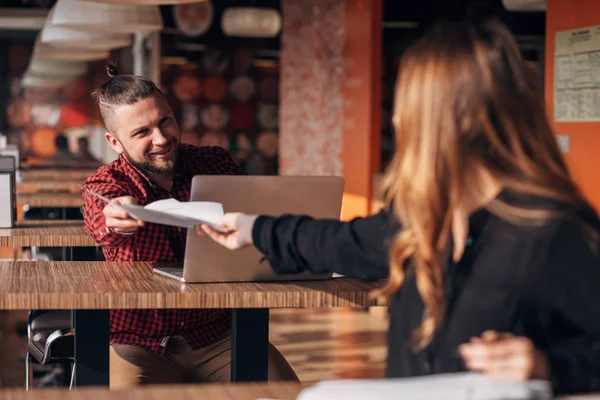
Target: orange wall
{"x": 584, "y": 155}
{"x": 362, "y": 104}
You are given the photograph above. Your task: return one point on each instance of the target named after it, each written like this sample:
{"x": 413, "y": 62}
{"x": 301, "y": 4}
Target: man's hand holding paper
{"x": 126, "y": 215}
{"x": 117, "y": 219}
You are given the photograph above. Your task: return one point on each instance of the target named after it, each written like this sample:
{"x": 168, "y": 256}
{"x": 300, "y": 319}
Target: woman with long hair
{"x": 490, "y": 249}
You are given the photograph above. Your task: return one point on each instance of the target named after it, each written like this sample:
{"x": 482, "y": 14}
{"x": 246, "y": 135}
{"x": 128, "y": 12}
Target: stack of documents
{"x": 459, "y": 386}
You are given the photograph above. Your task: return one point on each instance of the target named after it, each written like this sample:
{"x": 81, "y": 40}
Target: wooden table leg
{"x": 249, "y": 345}
{"x": 67, "y": 252}
{"x": 91, "y": 347}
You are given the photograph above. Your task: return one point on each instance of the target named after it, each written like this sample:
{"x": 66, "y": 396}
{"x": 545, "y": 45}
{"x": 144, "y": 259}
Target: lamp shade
{"x": 113, "y": 18}
{"x": 146, "y": 2}
{"x": 56, "y": 68}
{"x": 64, "y": 37}
{"x": 251, "y": 22}
{"x": 47, "y": 52}
{"x": 31, "y": 80}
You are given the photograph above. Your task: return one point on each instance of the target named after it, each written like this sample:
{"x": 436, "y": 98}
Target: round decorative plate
{"x": 242, "y": 88}
{"x": 268, "y": 143}
{"x": 193, "y": 19}
{"x": 268, "y": 116}
{"x": 215, "y": 62}
{"x": 188, "y": 116}
{"x": 215, "y": 117}
{"x": 187, "y": 87}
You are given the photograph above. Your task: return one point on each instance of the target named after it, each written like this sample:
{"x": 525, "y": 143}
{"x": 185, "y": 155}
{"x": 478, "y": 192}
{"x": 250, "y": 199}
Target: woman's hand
{"x": 239, "y": 230}
{"x": 506, "y": 356}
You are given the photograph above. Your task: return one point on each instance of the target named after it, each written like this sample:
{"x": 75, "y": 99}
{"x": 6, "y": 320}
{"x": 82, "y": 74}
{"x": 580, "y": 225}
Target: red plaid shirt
{"x": 151, "y": 329}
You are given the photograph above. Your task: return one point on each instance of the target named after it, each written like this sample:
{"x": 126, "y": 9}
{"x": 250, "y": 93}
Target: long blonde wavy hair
{"x": 464, "y": 98}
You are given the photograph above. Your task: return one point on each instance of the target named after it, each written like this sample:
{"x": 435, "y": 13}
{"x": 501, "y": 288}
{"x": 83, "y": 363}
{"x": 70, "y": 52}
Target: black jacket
{"x": 537, "y": 281}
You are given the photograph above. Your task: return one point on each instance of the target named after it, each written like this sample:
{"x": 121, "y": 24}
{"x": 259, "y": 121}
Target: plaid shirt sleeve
{"x": 102, "y": 182}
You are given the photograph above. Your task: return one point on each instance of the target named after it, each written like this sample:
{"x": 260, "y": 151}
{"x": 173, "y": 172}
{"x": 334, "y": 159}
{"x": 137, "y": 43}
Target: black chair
{"x": 50, "y": 334}
{"x": 50, "y": 340}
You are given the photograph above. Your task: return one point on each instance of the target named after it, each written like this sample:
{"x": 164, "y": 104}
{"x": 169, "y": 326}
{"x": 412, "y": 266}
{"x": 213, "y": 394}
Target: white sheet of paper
{"x": 174, "y": 213}
{"x": 459, "y": 386}
{"x": 208, "y": 211}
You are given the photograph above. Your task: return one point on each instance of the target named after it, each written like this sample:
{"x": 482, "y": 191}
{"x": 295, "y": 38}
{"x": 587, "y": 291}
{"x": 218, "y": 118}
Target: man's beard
{"x": 155, "y": 167}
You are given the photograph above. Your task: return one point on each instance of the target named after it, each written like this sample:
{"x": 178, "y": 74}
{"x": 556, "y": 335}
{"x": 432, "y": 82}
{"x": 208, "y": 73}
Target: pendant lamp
{"x": 56, "y": 68}
{"x": 109, "y": 18}
{"x": 34, "y": 81}
{"x": 63, "y": 37}
{"x": 46, "y": 52}
{"x": 251, "y": 22}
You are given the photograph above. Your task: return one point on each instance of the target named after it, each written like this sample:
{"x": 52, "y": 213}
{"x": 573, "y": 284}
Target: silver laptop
{"x": 207, "y": 261}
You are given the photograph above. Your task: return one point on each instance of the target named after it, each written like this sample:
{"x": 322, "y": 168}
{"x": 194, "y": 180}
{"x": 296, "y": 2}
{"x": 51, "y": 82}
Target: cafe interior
{"x": 288, "y": 88}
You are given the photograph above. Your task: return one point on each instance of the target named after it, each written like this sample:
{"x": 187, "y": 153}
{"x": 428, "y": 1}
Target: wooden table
{"x": 56, "y": 174}
{"x": 49, "y": 186}
{"x": 254, "y": 391}
{"x": 59, "y": 200}
{"x": 279, "y": 391}
{"x": 63, "y": 201}
{"x": 46, "y": 233}
{"x": 108, "y": 285}
{"x": 92, "y": 288}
